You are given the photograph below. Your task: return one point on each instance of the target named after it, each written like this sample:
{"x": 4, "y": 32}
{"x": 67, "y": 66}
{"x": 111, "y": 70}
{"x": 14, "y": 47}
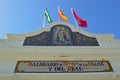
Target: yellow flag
{"x": 62, "y": 16}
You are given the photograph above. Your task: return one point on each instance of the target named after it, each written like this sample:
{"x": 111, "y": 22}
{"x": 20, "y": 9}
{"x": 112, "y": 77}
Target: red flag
{"x": 81, "y": 22}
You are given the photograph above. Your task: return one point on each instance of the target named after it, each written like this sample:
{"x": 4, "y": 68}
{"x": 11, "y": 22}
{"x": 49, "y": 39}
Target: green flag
{"x": 48, "y": 16}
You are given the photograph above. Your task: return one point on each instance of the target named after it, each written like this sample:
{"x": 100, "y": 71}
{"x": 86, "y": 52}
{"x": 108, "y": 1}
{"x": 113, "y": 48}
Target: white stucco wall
{"x": 12, "y": 50}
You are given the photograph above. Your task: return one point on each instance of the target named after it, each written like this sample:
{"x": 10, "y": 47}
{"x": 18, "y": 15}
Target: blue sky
{"x": 22, "y": 16}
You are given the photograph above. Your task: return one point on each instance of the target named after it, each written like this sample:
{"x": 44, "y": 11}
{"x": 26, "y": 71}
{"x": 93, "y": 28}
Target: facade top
{"x": 59, "y": 34}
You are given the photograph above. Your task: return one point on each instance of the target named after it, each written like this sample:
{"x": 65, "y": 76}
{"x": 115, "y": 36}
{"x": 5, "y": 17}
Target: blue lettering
{"x": 50, "y": 68}
{"x": 58, "y": 68}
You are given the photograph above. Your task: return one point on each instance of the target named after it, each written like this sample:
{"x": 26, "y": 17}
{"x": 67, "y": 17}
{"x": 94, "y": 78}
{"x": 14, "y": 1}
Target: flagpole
{"x": 58, "y": 14}
{"x": 74, "y": 19}
{"x": 44, "y": 20}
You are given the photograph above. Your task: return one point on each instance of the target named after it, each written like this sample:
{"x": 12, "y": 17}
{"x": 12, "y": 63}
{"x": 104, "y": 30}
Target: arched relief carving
{"x": 60, "y": 35}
